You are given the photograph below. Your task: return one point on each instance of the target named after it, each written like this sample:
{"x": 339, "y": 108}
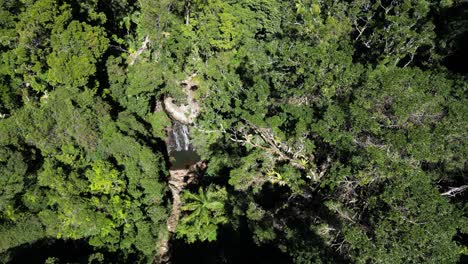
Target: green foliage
{"x": 28, "y": 229}
{"x": 394, "y": 33}
{"x": 27, "y": 60}
{"x": 75, "y": 52}
{"x": 205, "y": 211}
{"x": 159, "y": 121}
{"x": 91, "y": 186}
{"x": 104, "y": 179}
{"x": 13, "y": 170}
{"x": 332, "y": 130}
{"x": 418, "y": 226}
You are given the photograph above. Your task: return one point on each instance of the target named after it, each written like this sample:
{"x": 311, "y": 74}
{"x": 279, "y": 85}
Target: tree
{"x": 75, "y": 52}
{"x": 13, "y": 171}
{"x": 410, "y": 223}
{"x": 331, "y": 130}
{"x": 205, "y": 212}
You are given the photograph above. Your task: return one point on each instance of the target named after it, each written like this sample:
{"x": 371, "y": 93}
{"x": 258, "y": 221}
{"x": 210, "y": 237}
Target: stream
{"x": 184, "y": 161}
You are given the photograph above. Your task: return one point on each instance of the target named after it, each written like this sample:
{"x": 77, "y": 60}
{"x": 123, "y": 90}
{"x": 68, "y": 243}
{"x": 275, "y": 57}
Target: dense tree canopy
{"x": 331, "y": 131}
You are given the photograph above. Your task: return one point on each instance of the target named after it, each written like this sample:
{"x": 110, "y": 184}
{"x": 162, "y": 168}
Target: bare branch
{"x": 134, "y": 56}
{"x": 455, "y": 191}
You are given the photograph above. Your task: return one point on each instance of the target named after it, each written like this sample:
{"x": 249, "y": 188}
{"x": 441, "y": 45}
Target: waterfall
{"x": 179, "y": 140}
{"x": 181, "y": 152}
{"x": 185, "y": 134}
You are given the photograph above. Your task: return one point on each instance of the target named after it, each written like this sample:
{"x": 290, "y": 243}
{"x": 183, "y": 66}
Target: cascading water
{"x": 179, "y": 138}
{"x": 181, "y": 152}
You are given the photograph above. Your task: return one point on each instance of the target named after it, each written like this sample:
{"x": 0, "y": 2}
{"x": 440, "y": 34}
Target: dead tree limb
{"x": 134, "y": 56}
{"x": 453, "y": 191}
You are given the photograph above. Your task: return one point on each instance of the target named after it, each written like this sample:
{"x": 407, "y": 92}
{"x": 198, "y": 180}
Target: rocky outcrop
{"x": 186, "y": 113}
{"x": 178, "y": 180}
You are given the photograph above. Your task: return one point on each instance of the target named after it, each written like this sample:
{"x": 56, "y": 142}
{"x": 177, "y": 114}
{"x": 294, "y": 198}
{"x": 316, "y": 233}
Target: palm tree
{"x": 205, "y": 211}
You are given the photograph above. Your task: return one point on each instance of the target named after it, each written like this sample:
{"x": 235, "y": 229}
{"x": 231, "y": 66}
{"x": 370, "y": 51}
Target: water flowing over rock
{"x": 181, "y": 152}
{"x": 179, "y": 138}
